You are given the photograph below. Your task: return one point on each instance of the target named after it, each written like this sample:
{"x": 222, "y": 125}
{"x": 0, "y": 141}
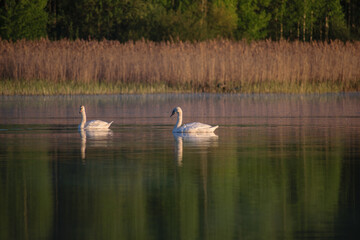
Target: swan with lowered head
{"x": 94, "y": 124}
{"x": 194, "y": 127}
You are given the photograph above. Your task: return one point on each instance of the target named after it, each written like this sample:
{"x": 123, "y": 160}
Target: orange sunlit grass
{"x": 210, "y": 66}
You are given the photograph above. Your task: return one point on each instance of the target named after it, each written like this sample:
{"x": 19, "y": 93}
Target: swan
{"x": 194, "y": 127}
{"x": 94, "y": 124}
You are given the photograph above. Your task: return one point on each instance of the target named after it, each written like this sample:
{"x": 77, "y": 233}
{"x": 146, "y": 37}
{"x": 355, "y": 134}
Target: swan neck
{"x": 83, "y": 119}
{"x": 179, "y": 120}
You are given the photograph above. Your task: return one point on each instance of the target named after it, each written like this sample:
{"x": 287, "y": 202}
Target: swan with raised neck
{"x": 94, "y": 124}
{"x": 189, "y": 127}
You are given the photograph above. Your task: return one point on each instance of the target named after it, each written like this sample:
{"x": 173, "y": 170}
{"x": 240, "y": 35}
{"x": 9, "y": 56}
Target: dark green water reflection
{"x": 279, "y": 167}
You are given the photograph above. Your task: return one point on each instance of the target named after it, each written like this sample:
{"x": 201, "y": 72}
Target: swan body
{"x": 94, "y": 124}
{"x": 194, "y": 127}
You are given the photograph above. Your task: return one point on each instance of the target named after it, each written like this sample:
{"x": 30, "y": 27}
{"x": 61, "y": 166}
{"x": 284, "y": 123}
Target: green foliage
{"x": 222, "y": 19}
{"x": 190, "y": 23}
{"x": 338, "y": 29}
{"x": 308, "y": 20}
{"x": 23, "y": 19}
{"x": 187, "y": 20}
{"x": 253, "y": 19}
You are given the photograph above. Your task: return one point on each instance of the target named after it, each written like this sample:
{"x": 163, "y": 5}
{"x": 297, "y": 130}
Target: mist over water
{"x": 278, "y": 167}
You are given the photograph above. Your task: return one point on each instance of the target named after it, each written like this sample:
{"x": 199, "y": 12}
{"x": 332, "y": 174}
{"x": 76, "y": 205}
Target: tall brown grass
{"x": 207, "y": 66}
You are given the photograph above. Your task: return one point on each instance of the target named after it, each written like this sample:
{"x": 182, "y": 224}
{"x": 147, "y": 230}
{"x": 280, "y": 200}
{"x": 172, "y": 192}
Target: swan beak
{"x": 172, "y": 113}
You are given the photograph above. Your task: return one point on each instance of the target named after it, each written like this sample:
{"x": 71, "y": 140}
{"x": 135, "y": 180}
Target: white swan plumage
{"x": 194, "y": 127}
{"x": 94, "y": 124}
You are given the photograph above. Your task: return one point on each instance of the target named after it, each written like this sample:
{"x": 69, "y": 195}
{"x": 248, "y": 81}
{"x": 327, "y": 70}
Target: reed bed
{"x": 85, "y": 67}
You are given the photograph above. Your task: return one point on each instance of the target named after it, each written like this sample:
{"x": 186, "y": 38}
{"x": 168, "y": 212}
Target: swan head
{"x": 82, "y": 109}
{"x": 176, "y": 110}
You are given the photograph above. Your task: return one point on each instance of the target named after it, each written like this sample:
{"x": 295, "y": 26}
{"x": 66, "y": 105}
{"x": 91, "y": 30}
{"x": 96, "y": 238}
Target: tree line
{"x": 185, "y": 20}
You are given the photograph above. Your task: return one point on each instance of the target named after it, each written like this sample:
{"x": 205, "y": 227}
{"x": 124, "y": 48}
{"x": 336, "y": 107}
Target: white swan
{"x": 94, "y": 124}
{"x": 194, "y": 127}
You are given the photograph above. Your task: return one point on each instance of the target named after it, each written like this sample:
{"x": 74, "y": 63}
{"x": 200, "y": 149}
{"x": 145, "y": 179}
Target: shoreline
{"x": 46, "y": 88}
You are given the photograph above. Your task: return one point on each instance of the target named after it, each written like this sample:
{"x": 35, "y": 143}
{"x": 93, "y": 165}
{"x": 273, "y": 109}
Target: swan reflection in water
{"x": 98, "y": 138}
{"x": 198, "y": 140}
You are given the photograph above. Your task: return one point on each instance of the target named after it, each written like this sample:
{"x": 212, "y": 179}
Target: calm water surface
{"x": 279, "y": 167}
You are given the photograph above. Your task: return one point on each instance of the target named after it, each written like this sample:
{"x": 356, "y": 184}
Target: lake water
{"x": 279, "y": 167}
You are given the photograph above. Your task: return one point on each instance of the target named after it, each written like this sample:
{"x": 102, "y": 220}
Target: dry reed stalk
{"x": 209, "y": 64}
